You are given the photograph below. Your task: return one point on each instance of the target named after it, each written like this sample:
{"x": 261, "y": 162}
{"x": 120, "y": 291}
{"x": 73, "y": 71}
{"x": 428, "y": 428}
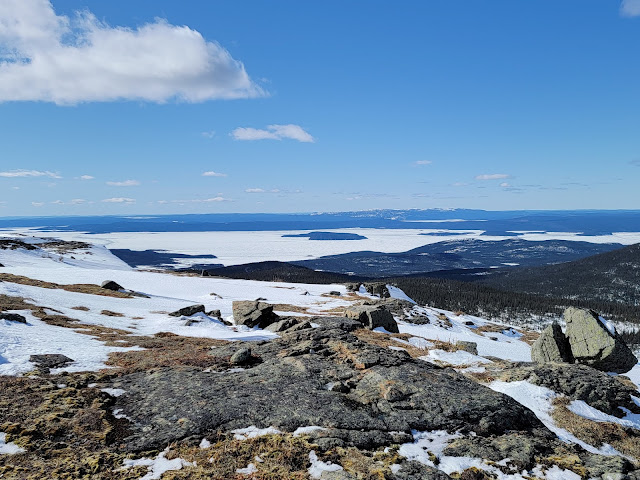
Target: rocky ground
{"x": 330, "y": 396}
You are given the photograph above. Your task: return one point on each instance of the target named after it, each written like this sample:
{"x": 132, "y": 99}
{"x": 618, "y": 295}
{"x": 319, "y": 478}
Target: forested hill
{"x": 612, "y": 277}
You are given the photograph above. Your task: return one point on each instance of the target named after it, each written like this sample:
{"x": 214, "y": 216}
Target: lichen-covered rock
{"x": 282, "y": 325}
{"x": 188, "y": 311}
{"x": 551, "y": 346}
{"x": 241, "y": 357}
{"x": 471, "y": 347}
{"x": 594, "y": 345}
{"x": 373, "y": 316}
{"x": 388, "y": 394}
{"x": 253, "y": 313}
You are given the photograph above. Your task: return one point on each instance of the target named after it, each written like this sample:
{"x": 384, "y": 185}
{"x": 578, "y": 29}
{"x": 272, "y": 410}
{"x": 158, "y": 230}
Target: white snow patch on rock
{"x": 8, "y": 448}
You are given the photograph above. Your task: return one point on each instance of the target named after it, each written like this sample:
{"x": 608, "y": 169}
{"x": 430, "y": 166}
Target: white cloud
{"x": 505, "y": 184}
{"x": 273, "y": 132}
{"x": 210, "y": 134}
{"x": 423, "y": 162}
{"x": 58, "y": 202}
{"x": 86, "y": 177}
{"x": 77, "y": 201}
{"x": 68, "y": 60}
{"x": 630, "y": 8}
{"x": 125, "y": 183}
{"x": 209, "y": 200}
{"x": 262, "y": 190}
{"x": 37, "y": 204}
{"x": 28, "y": 173}
{"x": 213, "y": 174}
{"x": 459, "y": 184}
{"x": 119, "y": 200}
{"x": 492, "y": 176}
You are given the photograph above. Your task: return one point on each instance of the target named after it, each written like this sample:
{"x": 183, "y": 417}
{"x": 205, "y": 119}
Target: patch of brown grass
{"x": 386, "y": 340}
{"x": 623, "y": 439}
{"x": 168, "y": 350}
{"x": 80, "y": 308}
{"x": 109, "y": 313}
{"x": 285, "y": 307}
{"x": 77, "y": 288}
{"x": 365, "y": 465}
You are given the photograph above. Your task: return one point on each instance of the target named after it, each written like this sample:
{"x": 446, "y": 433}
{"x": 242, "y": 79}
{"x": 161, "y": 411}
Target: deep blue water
{"x": 589, "y": 222}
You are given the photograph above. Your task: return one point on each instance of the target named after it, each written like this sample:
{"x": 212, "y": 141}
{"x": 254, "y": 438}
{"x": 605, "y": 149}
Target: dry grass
{"x": 77, "y": 288}
{"x": 286, "y": 307}
{"x": 109, "y": 313}
{"x": 168, "y": 350}
{"x": 80, "y": 308}
{"x": 365, "y": 465}
{"x": 625, "y": 440}
{"x": 387, "y": 340}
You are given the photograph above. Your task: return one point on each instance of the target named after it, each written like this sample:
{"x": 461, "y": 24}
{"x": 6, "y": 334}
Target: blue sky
{"x": 160, "y": 106}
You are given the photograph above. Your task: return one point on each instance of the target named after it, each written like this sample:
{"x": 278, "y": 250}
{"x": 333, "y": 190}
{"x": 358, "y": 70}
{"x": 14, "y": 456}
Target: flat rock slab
{"x": 385, "y": 395}
{"x": 51, "y": 360}
{"x": 188, "y": 311}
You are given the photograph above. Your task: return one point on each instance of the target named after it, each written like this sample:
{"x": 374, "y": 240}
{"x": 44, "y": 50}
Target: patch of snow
{"x": 253, "y": 431}
{"x": 538, "y": 400}
{"x": 205, "y": 443}
{"x": 117, "y": 413}
{"x": 306, "y": 430}
{"x": 8, "y": 448}
{"x": 397, "y": 293}
{"x": 19, "y": 341}
{"x": 114, "y": 392}
{"x": 419, "y": 342}
{"x": 555, "y": 473}
{"x": 251, "y": 468}
{"x": 608, "y": 325}
{"x": 587, "y": 411}
{"x": 398, "y": 349}
{"x": 457, "y": 358}
{"x": 318, "y": 466}
{"x": 156, "y": 466}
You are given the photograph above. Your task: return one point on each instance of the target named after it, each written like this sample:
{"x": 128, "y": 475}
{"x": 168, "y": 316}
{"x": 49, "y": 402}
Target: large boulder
{"x": 552, "y": 346}
{"x": 253, "y": 313}
{"x": 595, "y": 344}
{"x": 12, "y": 317}
{"x": 373, "y": 316}
{"x": 51, "y": 360}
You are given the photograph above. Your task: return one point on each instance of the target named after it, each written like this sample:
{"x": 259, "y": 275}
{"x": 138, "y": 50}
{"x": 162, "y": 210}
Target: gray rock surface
{"x": 373, "y": 316}
{"x": 51, "y": 360}
{"x": 592, "y": 344}
{"x": 282, "y": 325}
{"x": 551, "y": 346}
{"x": 386, "y": 395}
{"x": 418, "y": 471}
{"x": 471, "y": 347}
{"x": 12, "y": 317}
{"x": 111, "y": 285}
{"x": 188, "y": 311}
{"x": 253, "y": 313}
{"x": 241, "y": 357}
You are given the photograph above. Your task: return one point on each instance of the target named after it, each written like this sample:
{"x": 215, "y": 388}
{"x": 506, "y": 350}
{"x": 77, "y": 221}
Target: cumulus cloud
{"x": 505, "y": 184}
{"x": 28, "y": 173}
{"x": 630, "y": 8}
{"x": 273, "y": 132}
{"x": 213, "y": 174}
{"x": 125, "y": 183}
{"x": 492, "y": 176}
{"x": 68, "y": 60}
{"x": 423, "y": 162}
{"x": 119, "y": 200}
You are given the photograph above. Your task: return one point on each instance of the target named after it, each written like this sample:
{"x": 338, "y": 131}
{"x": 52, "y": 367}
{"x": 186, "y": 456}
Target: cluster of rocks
{"x": 362, "y": 396}
{"x": 587, "y": 340}
{"x": 374, "y": 288}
